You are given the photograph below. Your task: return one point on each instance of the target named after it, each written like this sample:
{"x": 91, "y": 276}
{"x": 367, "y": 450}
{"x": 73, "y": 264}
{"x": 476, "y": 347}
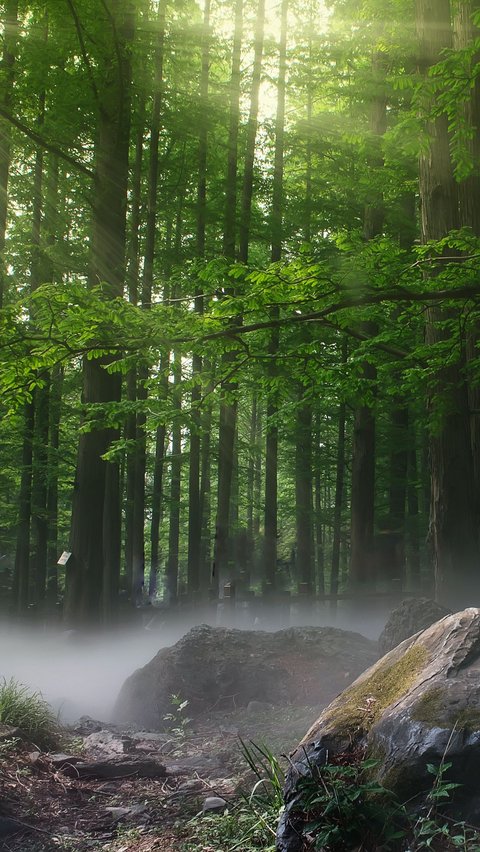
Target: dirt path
{"x": 59, "y": 809}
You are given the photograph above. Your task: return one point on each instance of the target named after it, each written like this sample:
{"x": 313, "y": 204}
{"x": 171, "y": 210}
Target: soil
{"x": 56, "y": 810}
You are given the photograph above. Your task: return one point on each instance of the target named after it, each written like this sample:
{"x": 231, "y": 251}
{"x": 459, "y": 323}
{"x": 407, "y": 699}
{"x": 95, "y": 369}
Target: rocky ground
{"x": 123, "y": 789}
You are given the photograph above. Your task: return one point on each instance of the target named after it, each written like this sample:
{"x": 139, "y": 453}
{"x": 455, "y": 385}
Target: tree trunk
{"x": 205, "y": 501}
{"x": 413, "y": 515}
{"x": 319, "y": 527}
{"x": 229, "y": 232}
{"x": 303, "y": 495}
{"x": 10, "y": 36}
{"x": 93, "y": 569}
{"x": 247, "y": 193}
{"x": 157, "y": 508}
{"x": 271, "y": 445}
{"x": 399, "y": 442}
{"x": 453, "y": 520}
{"x": 131, "y": 382}
{"x": 138, "y": 526}
{"x": 362, "y": 570}
{"x": 228, "y": 406}
{"x": 21, "y": 584}
{"x": 55, "y": 409}
{"x": 465, "y": 32}
{"x": 194, "y": 556}
{"x": 339, "y": 488}
{"x": 175, "y": 487}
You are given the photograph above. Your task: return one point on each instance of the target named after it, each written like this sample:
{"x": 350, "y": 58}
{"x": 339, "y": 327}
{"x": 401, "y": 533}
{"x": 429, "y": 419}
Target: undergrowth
{"x": 342, "y": 808}
{"x": 31, "y": 714}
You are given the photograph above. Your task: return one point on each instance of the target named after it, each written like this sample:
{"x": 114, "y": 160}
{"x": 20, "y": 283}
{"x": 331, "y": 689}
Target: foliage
{"x": 432, "y": 829}
{"x": 28, "y": 711}
{"x": 345, "y": 807}
{"x": 176, "y": 720}
{"x": 251, "y": 824}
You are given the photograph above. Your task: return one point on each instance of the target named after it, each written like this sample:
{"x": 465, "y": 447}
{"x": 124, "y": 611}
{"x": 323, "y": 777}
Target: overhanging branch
{"x": 46, "y": 144}
{"x": 398, "y": 295}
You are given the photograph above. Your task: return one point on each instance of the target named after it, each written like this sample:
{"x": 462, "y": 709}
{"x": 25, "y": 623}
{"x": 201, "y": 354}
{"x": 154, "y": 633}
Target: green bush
{"x": 28, "y": 711}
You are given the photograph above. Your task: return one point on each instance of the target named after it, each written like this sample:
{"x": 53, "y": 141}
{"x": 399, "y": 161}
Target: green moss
{"x": 363, "y": 704}
{"x": 428, "y": 707}
{"x": 468, "y": 718}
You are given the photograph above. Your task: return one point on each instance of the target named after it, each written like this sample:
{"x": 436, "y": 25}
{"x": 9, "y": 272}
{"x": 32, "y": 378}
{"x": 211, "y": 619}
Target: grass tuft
{"x": 28, "y": 711}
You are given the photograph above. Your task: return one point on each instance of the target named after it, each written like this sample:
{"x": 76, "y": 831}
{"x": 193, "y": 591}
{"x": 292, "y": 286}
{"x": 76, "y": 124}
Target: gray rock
{"x": 8, "y": 732}
{"x": 420, "y": 702}
{"x": 215, "y": 805}
{"x": 117, "y": 768}
{"x": 106, "y": 742}
{"x": 86, "y": 725}
{"x": 119, "y": 813}
{"x": 412, "y": 615}
{"x": 226, "y": 669}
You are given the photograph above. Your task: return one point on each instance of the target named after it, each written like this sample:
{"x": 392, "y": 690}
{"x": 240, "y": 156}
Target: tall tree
{"x": 252, "y": 126}
{"x": 271, "y": 448}
{"x": 364, "y": 427}
{"x": 93, "y": 568}
{"x": 138, "y": 527}
{"x": 194, "y": 486}
{"x": 10, "y": 37}
{"x": 229, "y": 403}
{"x": 453, "y": 521}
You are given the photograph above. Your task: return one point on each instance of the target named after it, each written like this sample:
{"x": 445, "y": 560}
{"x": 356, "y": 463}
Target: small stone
{"x": 8, "y": 732}
{"x": 125, "y": 813}
{"x": 215, "y": 805}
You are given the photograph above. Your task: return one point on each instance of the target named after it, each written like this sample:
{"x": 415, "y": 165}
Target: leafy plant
{"x": 432, "y": 829}
{"x": 251, "y": 824}
{"x": 178, "y": 722}
{"x": 29, "y": 712}
{"x": 268, "y": 789}
{"x": 344, "y": 807}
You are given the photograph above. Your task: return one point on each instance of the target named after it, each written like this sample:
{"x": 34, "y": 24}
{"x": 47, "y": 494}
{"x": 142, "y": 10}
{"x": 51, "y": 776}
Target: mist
{"x": 81, "y": 673}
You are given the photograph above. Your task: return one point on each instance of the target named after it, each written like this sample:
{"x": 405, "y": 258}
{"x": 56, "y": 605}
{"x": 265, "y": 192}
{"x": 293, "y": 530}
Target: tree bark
{"x": 453, "y": 520}
{"x": 131, "y": 382}
{"x": 93, "y": 569}
{"x": 247, "y": 192}
{"x": 339, "y": 489}
{"x": 304, "y": 497}
{"x": 194, "y": 557}
{"x": 271, "y": 444}
{"x": 362, "y": 570}
{"x": 10, "y": 37}
{"x": 228, "y": 405}
{"x": 175, "y": 487}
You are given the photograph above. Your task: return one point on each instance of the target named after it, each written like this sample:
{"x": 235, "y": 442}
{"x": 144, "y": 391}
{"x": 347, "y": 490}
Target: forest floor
{"x": 58, "y": 810}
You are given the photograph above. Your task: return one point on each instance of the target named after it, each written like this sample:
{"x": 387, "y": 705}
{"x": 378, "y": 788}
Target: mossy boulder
{"x": 416, "y": 704}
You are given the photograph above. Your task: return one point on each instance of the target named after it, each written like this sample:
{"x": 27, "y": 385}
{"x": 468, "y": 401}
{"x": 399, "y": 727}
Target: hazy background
{"x": 81, "y": 674}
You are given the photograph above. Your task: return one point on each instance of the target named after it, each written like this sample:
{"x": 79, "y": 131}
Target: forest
{"x": 239, "y": 301}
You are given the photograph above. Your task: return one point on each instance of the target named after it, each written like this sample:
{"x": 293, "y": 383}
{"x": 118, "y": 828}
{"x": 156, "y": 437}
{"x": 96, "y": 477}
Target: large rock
{"x": 216, "y": 668}
{"x": 416, "y": 704}
{"x": 412, "y": 615}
